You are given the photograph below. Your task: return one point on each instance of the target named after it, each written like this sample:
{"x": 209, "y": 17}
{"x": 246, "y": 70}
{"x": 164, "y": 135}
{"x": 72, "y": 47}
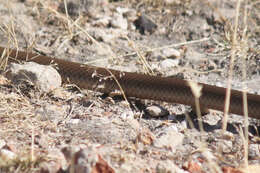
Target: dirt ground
{"x": 76, "y": 130}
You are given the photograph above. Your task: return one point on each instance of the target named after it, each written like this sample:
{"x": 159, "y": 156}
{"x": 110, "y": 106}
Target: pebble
{"x": 171, "y": 53}
{"x": 7, "y": 155}
{"x": 119, "y": 21}
{"x": 157, "y": 111}
{"x": 254, "y": 151}
{"x": 169, "y": 63}
{"x": 168, "y": 166}
{"x": 45, "y": 78}
{"x": 169, "y": 140}
{"x": 144, "y": 24}
{"x": 225, "y": 146}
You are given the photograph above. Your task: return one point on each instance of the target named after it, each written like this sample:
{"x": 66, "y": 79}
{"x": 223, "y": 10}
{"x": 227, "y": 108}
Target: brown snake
{"x": 141, "y": 86}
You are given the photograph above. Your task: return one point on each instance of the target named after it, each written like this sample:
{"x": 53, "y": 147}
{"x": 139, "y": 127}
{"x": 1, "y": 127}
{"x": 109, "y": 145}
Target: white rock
{"x": 74, "y": 121}
{"x": 101, "y": 35}
{"x": 169, "y": 140}
{"x": 169, "y": 2}
{"x": 104, "y": 21}
{"x": 2, "y": 143}
{"x": 157, "y": 111}
{"x": 171, "y": 53}
{"x": 46, "y": 78}
{"x": 169, "y": 63}
{"x": 254, "y": 150}
{"x": 168, "y": 166}
{"x": 119, "y": 21}
{"x": 225, "y": 146}
{"x": 7, "y": 154}
{"x": 121, "y": 10}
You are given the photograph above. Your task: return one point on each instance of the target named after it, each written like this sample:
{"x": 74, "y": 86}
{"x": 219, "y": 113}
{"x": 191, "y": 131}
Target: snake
{"x": 142, "y": 86}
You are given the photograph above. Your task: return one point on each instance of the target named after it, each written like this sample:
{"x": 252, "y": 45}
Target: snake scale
{"x": 141, "y": 86}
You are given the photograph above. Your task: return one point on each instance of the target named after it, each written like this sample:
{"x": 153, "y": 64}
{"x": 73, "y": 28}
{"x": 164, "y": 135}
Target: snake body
{"x": 140, "y": 85}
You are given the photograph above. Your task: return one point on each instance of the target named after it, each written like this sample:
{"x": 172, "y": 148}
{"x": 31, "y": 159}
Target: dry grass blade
{"x": 232, "y": 59}
{"x": 196, "y": 90}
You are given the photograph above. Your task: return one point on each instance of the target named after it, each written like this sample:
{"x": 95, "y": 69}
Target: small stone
{"x": 121, "y": 10}
{"x": 169, "y": 63}
{"x": 168, "y": 166}
{"x": 176, "y": 2}
{"x": 225, "y": 146}
{"x": 102, "y": 22}
{"x": 74, "y": 121}
{"x": 157, "y": 111}
{"x": 224, "y": 135}
{"x": 61, "y": 93}
{"x": 119, "y": 21}
{"x": 7, "y": 155}
{"x": 101, "y": 35}
{"x": 169, "y": 140}
{"x": 171, "y": 53}
{"x": 2, "y": 143}
{"x": 144, "y": 24}
{"x": 254, "y": 151}
{"x": 45, "y": 78}
{"x": 131, "y": 15}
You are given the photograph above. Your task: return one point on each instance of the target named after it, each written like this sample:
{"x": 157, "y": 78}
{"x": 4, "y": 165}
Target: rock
{"x": 131, "y": 15}
{"x": 169, "y": 63}
{"x": 104, "y": 21}
{"x": 171, "y": 53}
{"x": 168, "y": 166}
{"x": 61, "y": 93}
{"x": 102, "y": 35}
{"x": 166, "y": 53}
{"x": 74, "y": 121}
{"x": 7, "y": 155}
{"x": 121, "y": 10}
{"x": 170, "y": 2}
{"x": 45, "y": 78}
{"x": 225, "y": 146}
{"x": 144, "y": 24}
{"x": 157, "y": 111}
{"x": 119, "y": 21}
{"x": 169, "y": 140}
{"x": 254, "y": 151}
{"x": 2, "y": 143}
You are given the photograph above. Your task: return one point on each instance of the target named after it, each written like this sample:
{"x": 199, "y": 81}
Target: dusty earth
{"x": 74, "y": 130}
